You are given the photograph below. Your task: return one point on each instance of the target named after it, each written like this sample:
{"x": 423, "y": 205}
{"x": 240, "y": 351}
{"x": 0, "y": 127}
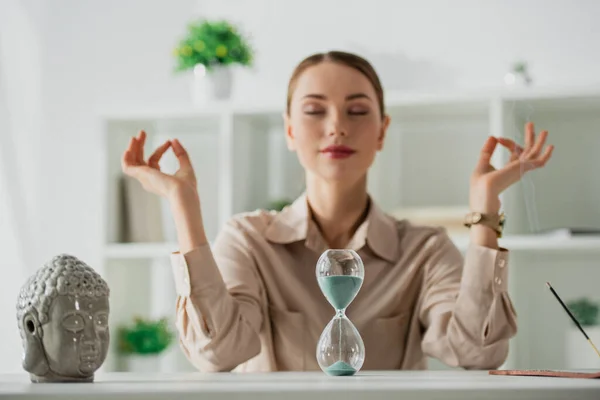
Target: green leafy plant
{"x": 585, "y": 311}
{"x": 278, "y": 205}
{"x": 521, "y": 68}
{"x": 212, "y": 43}
{"x": 145, "y": 337}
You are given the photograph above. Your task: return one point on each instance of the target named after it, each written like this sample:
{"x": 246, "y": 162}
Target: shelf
{"x": 213, "y": 110}
{"x": 542, "y": 96}
{"x": 513, "y": 242}
{"x": 121, "y": 251}
{"x": 241, "y": 158}
{"x": 539, "y": 242}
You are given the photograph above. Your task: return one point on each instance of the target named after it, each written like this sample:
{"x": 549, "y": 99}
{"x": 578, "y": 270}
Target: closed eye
{"x": 101, "y": 320}
{"x": 358, "y": 109}
{"x": 313, "y": 109}
{"x": 73, "y": 322}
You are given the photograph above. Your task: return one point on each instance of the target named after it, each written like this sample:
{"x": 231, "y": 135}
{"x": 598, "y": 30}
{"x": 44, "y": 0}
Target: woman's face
{"x": 334, "y": 123}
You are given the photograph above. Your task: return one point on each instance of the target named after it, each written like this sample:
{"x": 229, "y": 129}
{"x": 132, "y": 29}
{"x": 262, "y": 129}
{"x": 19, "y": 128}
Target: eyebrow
{"x": 349, "y": 97}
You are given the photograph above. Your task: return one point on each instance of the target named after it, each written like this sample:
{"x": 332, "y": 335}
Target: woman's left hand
{"x": 488, "y": 182}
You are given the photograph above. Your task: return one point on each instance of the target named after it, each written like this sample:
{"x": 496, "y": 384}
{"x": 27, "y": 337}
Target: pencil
{"x": 572, "y": 317}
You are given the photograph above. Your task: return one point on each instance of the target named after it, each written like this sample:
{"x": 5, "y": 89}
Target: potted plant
{"x": 519, "y": 75}
{"x": 210, "y": 48}
{"x": 143, "y": 341}
{"x": 278, "y": 204}
{"x": 579, "y": 353}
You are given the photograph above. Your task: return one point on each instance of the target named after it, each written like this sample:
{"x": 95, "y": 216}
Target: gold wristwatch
{"x": 494, "y": 221}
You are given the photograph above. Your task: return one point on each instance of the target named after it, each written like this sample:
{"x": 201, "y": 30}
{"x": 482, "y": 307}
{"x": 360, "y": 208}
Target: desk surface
{"x": 306, "y": 385}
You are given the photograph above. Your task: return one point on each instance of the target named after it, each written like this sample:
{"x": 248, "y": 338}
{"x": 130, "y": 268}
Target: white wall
{"x": 98, "y": 54}
{"x": 20, "y": 120}
{"x": 463, "y": 43}
{"x": 91, "y": 54}
{"x": 111, "y": 53}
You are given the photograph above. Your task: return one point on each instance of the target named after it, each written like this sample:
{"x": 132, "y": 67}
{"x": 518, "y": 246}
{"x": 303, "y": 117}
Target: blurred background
{"x": 78, "y": 78}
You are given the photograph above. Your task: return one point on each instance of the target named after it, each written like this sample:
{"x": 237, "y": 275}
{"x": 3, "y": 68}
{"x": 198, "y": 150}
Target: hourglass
{"x": 340, "y": 350}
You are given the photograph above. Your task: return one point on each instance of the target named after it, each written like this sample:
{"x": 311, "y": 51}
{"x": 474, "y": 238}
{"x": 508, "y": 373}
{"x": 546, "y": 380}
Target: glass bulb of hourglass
{"x": 340, "y": 350}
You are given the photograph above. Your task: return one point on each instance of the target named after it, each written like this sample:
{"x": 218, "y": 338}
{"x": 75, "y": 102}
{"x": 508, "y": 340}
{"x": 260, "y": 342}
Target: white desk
{"x": 309, "y": 385}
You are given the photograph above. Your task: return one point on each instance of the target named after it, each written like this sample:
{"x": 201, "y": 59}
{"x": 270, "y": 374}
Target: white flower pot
{"x": 578, "y": 352}
{"x": 211, "y": 85}
{"x": 139, "y": 363}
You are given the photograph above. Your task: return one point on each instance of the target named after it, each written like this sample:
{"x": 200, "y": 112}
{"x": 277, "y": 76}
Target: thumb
{"x": 512, "y": 173}
{"x": 181, "y": 154}
{"x": 485, "y": 156}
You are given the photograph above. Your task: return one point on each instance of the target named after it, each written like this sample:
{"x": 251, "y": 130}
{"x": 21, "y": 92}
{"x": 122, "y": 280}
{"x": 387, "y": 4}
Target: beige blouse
{"x": 252, "y": 301}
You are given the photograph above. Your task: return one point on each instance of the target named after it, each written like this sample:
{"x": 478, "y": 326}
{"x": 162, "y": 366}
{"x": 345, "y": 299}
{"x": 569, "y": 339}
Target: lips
{"x": 88, "y": 357}
{"x": 338, "y": 151}
{"x": 89, "y": 352}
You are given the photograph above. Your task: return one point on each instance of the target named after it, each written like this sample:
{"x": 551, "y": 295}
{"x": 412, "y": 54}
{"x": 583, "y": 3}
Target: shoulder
{"x": 274, "y": 227}
{"x": 398, "y": 239}
{"x": 243, "y": 232}
{"x": 252, "y": 223}
{"x": 422, "y": 237}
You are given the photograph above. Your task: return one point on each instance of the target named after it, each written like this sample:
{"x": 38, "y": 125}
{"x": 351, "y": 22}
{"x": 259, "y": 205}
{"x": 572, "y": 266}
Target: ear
{"x": 289, "y": 136}
{"x": 384, "y": 128}
{"x": 34, "y": 358}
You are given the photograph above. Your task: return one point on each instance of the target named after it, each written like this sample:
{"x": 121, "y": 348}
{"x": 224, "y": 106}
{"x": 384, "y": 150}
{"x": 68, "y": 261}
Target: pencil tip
{"x": 548, "y": 284}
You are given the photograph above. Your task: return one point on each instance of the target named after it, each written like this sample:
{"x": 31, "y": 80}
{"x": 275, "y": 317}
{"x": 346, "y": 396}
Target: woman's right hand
{"x": 148, "y": 173}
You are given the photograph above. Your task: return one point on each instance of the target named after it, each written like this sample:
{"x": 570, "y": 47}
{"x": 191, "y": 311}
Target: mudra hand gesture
{"x": 148, "y": 172}
{"x": 487, "y": 182}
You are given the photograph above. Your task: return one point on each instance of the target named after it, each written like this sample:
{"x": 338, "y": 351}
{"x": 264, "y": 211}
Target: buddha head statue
{"x": 62, "y": 313}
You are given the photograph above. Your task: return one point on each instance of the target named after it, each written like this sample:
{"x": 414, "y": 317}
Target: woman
{"x": 252, "y": 302}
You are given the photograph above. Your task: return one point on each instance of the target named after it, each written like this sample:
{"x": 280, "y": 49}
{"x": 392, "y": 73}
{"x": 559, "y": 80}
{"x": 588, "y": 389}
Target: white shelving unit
{"x": 148, "y": 251}
{"x": 123, "y": 251}
{"x": 242, "y": 164}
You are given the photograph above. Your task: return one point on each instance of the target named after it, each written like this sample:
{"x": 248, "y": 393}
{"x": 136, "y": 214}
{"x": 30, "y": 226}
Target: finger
{"x": 128, "y": 162}
{"x": 128, "y": 157}
{"x": 515, "y": 149}
{"x": 181, "y": 154}
{"x": 539, "y": 144}
{"x": 142, "y": 142}
{"x": 529, "y": 135}
{"x": 486, "y": 153}
{"x": 131, "y": 145}
{"x": 509, "y": 144}
{"x": 154, "y": 159}
{"x": 139, "y": 148}
{"x": 135, "y": 149}
{"x": 541, "y": 161}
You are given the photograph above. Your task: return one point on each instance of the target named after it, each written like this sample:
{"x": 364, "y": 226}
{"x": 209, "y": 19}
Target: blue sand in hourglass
{"x": 340, "y": 368}
{"x": 340, "y": 350}
{"x": 340, "y": 289}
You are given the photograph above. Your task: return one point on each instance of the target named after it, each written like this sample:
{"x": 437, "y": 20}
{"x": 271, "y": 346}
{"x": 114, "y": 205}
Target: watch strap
{"x": 493, "y": 221}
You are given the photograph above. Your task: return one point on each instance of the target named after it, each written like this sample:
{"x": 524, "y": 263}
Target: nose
{"x": 90, "y": 334}
{"x": 335, "y": 126}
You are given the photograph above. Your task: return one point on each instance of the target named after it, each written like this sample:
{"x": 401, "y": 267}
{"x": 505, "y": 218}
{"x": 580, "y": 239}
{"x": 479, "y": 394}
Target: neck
{"x": 338, "y": 208}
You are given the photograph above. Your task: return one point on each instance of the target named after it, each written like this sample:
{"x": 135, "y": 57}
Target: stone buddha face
{"x": 62, "y": 313}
